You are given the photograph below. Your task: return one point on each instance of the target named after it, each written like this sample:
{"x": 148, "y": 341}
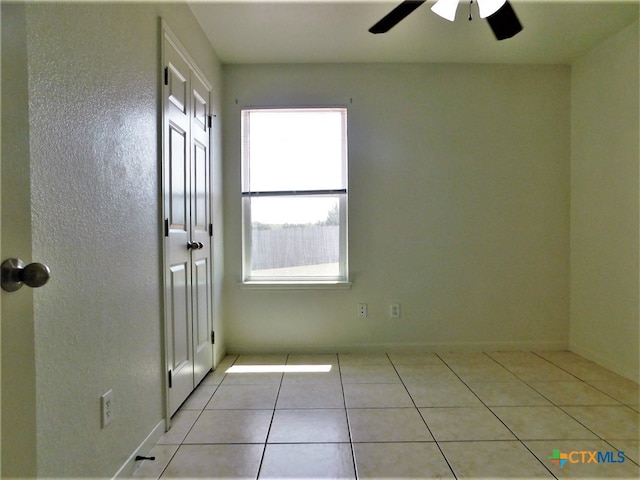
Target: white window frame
{"x": 340, "y": 280}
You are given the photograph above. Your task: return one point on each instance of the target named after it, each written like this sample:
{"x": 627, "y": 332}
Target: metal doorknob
{"x": 195, "y": 245}
{"x": 15, "y": 274}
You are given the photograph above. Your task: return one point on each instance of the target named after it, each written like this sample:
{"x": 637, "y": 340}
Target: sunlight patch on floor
{"x": 279, "y": 368}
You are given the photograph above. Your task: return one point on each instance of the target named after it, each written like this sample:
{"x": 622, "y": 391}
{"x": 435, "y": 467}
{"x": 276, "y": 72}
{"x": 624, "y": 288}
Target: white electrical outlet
{"x": 106, "y": 403}
{"x": 362, "y": 310}
{"x": 394, "y": 310}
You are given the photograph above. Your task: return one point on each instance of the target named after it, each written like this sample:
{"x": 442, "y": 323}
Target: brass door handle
{"x": 15, "y": 274}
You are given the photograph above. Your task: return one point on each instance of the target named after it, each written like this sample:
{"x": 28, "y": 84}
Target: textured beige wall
{"x": 458, "y": 208}
{"x": 93, "y": 111}
{"x": 605, "y": 297}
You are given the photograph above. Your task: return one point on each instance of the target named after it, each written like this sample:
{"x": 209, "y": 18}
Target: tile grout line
{"x": 494, "y": 414}
{"x": 273, "y": 414}
{"x": 346, "y": 413}
{"x": 422, "y": 417}
{"x": 560, "y": 407}
{"x": 193, "y": 424}
{"x": 585, "y": 381}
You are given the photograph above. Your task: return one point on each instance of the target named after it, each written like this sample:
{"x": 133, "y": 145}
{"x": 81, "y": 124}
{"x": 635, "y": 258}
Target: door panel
{"x": 201, "y": 319}
{"x": 200, "y": 214}
{"x": 177, "y": 88}
{"x": 179, "y": 326}
{"x": 180, "y": 355}
{"x": 200, "y": 108}
{"x": 179, "y": 175}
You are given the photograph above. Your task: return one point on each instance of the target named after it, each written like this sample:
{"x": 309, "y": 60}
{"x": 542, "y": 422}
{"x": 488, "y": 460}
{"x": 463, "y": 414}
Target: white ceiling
{"x": 319, "y": 31}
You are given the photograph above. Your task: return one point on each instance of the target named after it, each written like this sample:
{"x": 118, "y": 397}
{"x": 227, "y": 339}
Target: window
{"x": 294, "y": 195}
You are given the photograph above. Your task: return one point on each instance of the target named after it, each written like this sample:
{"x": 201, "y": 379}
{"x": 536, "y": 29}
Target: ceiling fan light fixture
{"x": 489, "y": 7}
{"x": 446, "y": 9}
{"x": 499, "y": 15}
{"x": 504, "y": 23}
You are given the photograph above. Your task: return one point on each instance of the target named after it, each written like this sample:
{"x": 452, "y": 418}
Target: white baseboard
{"x": 220, "y": 354}
{"x": 127, "y": 469}
{"x": 628, "y": 371}
{"x": 244, "y": 348}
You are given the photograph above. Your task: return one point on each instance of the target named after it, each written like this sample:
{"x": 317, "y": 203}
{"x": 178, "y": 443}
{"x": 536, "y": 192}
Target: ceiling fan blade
{"x": 504, "y": 22}
{"x": 395, "y": 16}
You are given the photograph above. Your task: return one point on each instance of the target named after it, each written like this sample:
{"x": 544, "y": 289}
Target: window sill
{"x": 295, "y": 285}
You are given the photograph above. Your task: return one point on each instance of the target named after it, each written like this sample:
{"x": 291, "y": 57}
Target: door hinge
{"x": 170, "y": 379}
{"x": 213, "y": 337}
{"x": 166, "y": 227}
{"x": 166, "y": 75}
{"x": 211, "y": 229}
{"x": 210, "y": 120}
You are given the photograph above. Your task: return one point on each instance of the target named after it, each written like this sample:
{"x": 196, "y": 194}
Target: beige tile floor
{"x": 413, "y": 415}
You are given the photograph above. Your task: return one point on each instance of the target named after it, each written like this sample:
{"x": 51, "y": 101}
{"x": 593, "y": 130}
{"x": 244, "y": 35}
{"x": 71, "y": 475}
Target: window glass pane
{"x": 295, "y": 149}
{"x": 295, "y": 236}
{"x": 288, "y": 234}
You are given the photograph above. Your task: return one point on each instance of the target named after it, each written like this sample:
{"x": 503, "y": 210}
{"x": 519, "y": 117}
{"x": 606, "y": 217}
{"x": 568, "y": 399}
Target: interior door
{"x": 187, "y": 207}
{"x": 18, "y": 430}
{"x": 177, "y": 208}
{"x": 200, "y": 229}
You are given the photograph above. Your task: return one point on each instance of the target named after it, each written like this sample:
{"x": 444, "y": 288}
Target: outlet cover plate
{"x": 106, "y": 404}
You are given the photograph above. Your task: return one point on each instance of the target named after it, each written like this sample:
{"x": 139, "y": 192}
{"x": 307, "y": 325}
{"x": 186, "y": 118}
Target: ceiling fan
{"x": 499, "y": 14}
